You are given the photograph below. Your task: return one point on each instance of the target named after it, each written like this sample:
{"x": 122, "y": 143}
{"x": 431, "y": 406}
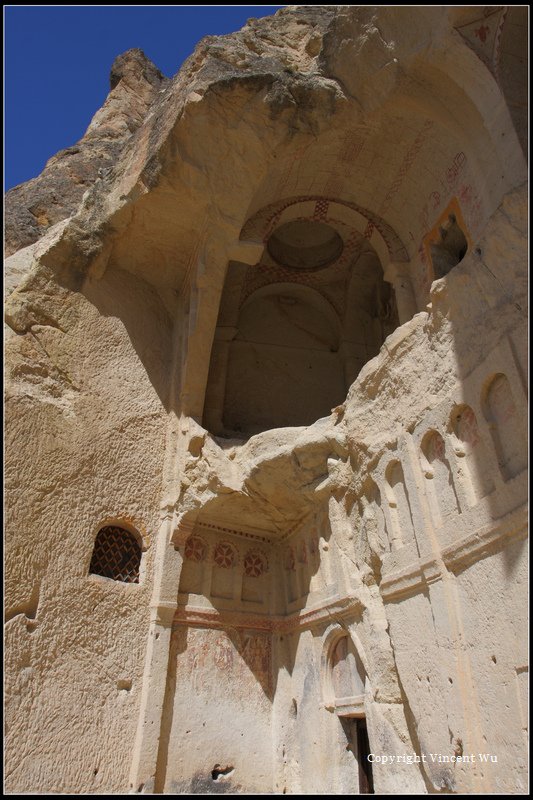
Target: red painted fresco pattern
{"x": 321, "y": 210}
{"x": 225, "y": 555}
{"x": 406, "y": 165}
{"x": 255, "y": 564}
{"x": 290, "y": 559}
{"x": 261, "y": 225}
{"x": 195, "y": 549}
{"x": 351, "y": 147}
{"x": 483, "y": 35}
{"x": 327, "y": 280}
{"x": 302, "y": 553}
{"x": 447, "y": 183}
{"x": 290, "y": 169}
{"x": 243, "y": 657}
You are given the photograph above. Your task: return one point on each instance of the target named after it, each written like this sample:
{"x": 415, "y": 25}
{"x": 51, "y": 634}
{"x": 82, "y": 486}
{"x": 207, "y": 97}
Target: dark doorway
{"x": 357, "y": 735}
{"x": 366, "y": 782}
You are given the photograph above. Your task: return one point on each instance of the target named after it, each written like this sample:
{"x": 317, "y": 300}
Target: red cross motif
{"x": 195, "y": 549}
{"x": 225, "y": 555}
{"x": 255, "y": 564}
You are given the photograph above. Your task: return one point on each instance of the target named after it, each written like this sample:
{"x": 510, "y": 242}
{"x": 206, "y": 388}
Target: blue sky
{"x": 58, "y": 59}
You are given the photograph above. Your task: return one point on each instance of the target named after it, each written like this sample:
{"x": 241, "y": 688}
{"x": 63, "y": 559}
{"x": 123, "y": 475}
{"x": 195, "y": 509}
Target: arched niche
{"x": 294, "y": 331}
{"x": 507, "y": 427}
{"x": 372, "y": 544}
{"x": 344, "y": 680}
{"x": 437, "y": 470}
{"x": 345, "y": 688}
{"x": 469, "y": 448}
{"x": 399, "y": 507}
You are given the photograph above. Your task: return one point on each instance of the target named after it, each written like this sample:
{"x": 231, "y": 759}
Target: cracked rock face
{"x": 305, "y": 573}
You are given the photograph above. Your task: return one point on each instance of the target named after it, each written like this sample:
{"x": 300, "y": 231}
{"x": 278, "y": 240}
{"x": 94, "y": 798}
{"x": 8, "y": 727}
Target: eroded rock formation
{"x": 266, "y": 488}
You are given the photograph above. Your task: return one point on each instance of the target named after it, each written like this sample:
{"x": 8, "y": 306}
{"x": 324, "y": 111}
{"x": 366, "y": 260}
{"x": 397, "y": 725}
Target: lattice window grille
{"x": 116, "y": 555}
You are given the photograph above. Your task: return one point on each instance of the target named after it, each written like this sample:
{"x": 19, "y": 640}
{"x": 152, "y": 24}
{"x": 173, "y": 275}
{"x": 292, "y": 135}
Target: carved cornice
{"x": 275, "y": 623}
{"x": 457, "y": 556}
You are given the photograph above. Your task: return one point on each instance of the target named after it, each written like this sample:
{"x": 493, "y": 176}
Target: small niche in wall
{"x": 373, "y": 541}
{"x": 402, "y": 528}
{"x": 450, "y": 249}
{"x": 347, "y": 672}
{"x": 447, "y": 243}
{"x": 116, "y": 554}
{"x": 474, "y": 468}
{"x": 440, "y": 488}
{"x": 508, "y": 430}
{"x": 344, "y": 676}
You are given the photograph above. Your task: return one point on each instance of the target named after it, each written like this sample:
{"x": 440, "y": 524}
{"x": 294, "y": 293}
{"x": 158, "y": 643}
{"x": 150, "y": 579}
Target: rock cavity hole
{"x": 218, "y": 772}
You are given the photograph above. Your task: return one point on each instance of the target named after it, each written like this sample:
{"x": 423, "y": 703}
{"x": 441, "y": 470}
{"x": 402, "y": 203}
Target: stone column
{"x": 162, "y": 610}
{"x": 398, "y": 274}
{"x": 214, "y": 404}
{"x": 205, "y": 295}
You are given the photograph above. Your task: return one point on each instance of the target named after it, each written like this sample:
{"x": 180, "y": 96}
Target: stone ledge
{"x": 459, "y": 555}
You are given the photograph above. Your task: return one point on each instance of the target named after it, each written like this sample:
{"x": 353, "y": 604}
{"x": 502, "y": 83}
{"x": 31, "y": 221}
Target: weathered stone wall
{"x": 86, "y": 427}
{"x": 222, "y": 692}
{"x": 397, "y": 520}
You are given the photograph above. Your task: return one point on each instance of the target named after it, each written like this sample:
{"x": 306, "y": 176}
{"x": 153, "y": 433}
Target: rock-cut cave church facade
{"x": 266, "y": 418}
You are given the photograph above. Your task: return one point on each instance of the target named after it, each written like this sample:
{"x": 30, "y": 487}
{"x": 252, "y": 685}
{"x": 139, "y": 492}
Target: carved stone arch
{"x": 437, "y": 470}
{"x": 507, "y": 428}
{"x": 385, "y": 240}
{"x": 309, "y": 294}
{"x": 117, "y": 551}
{"x": 295, "y": 329}
{"x": 470, "y": 452}
{"x": 373, "y": 527}
{"x": 283, "y": 364}
{"x": 130, "y": 524}
{"x": 464, "y": 427}
{"x": 401, "y": 519}
{"x": 355, "y": 673}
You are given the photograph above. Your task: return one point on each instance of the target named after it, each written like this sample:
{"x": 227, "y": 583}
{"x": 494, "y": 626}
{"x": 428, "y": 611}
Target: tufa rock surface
{"x": 274, "y": 362}
{"x": 35, "y": 206}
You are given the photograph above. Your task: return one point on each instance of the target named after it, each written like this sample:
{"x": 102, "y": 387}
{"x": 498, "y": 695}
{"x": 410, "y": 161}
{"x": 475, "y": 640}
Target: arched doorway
{"x": 345, "y": 685}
